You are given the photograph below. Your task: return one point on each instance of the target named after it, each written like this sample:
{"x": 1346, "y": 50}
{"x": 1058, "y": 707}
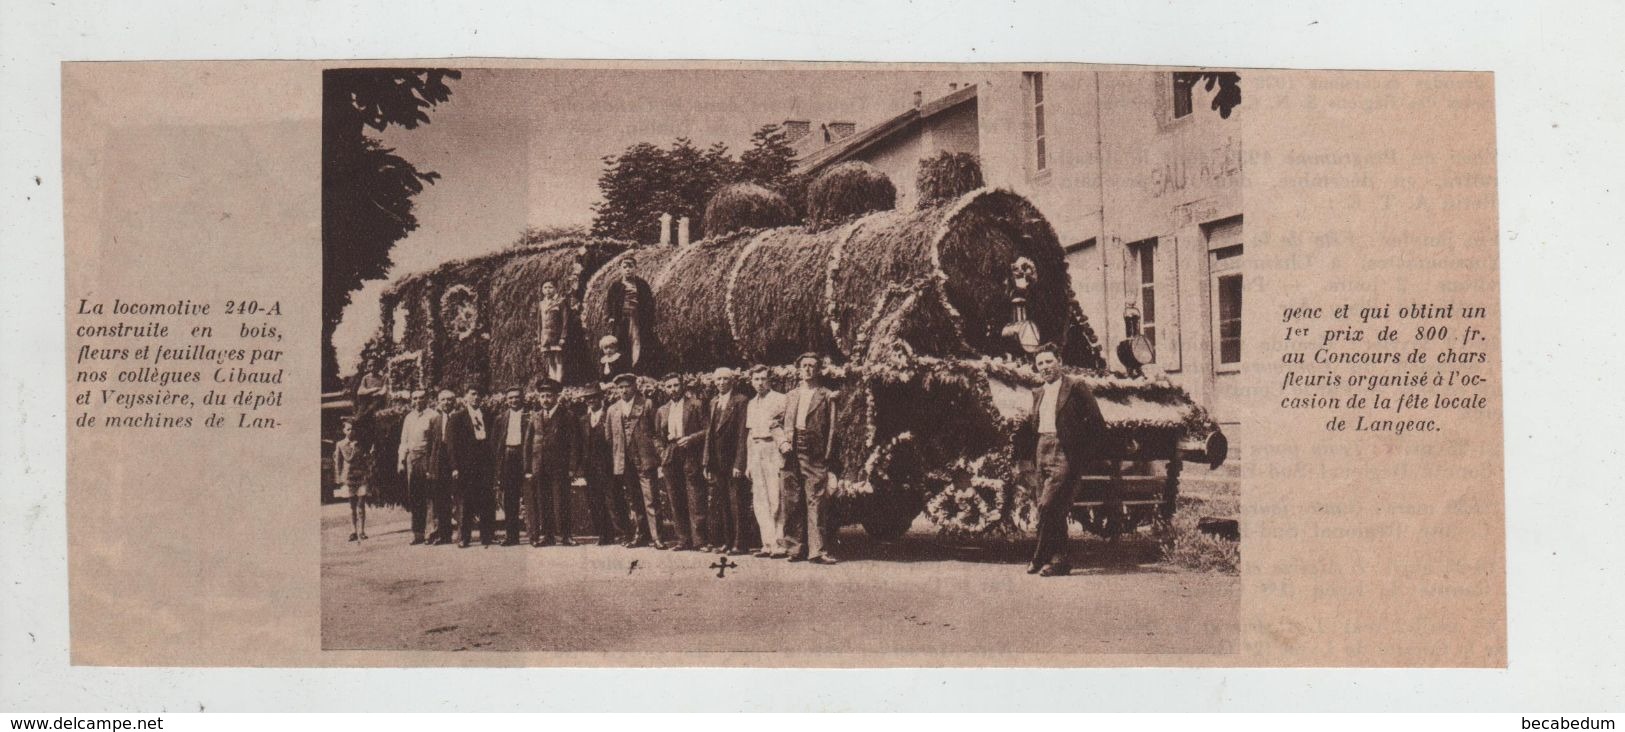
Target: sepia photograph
{"x": 928, "y": 360}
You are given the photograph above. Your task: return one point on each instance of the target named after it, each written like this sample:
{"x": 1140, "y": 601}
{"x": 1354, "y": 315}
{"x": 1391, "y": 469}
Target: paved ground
{"x": 917, "y": 594}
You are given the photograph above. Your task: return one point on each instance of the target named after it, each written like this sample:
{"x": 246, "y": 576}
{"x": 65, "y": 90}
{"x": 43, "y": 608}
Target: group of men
{"x": 732, "y": 470}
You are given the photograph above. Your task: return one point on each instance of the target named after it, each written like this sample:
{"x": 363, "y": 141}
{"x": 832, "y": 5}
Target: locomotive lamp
{"x": 1135, "y": 350}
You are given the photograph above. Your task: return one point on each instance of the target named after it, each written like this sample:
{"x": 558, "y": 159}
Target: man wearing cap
{"x": 636, "y": 457}
{"x": 550, "y": 458}
{"x": 472, "y": 447}
{"x": 605, "y": 505}
{"x": 443, "y": 467}
{"x": 724, "y": 463}
{"x": 510, "y": 432}
{"x": 766, "y": 443}
{"x": 418, "y": 429}
{"x": 809, "y": 414}
{"x": 681, "y": 422}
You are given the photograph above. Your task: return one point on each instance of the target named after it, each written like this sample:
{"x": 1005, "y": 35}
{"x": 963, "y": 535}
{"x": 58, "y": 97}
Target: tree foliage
{"x": 645, "y": 181}
{"x": 367, "y": 189}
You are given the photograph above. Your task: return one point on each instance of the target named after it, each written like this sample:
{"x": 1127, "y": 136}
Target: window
{"x": 1224, "y": 252}
{"x": 1229, "y": 336}
{"x": 1184, "y": 82}
{"x": 1035, "y": 81}
{"x": 1145, "y": 260}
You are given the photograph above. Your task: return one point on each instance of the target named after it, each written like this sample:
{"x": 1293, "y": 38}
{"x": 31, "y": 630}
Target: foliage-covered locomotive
{"x": 915, "y": 310}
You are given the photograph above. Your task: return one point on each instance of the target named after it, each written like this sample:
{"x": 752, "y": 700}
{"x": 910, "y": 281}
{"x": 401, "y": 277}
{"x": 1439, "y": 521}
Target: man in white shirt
{"x": 682, "y": 425}
{"x": 766, "y": 444}
{"x": 417, "y": 438}
{"x": 1065, "y": 431}
{"x": 509, "y": 430}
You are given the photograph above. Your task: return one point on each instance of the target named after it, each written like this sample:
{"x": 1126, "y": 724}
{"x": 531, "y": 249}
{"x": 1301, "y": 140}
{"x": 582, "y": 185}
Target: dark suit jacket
{"x": 820, "y": 430}
{"x": 1078, "y": 425}
{"x": 693, "y": 426}
{"x": 594, "y": 451}
{"x": 725, "y": 434}
{"x": 552, "y": 444}
{"x": 639, "y": 433}
{"x": 440, "y": 460}
{"x": 497, "y": 430}
{"x": 468, "y": 454}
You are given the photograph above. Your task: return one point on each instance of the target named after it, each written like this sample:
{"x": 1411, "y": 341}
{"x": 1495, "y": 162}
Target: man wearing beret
{"x": 550, "y": 458}
{"x": 636, "y": 457}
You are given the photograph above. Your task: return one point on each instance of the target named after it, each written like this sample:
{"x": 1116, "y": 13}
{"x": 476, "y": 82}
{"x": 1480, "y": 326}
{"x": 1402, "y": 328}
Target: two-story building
{"x": 1140, "y": 176}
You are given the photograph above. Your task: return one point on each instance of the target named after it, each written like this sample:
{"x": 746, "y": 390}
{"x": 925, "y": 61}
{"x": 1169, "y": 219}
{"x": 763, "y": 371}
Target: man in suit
{"x": 418, "y": 430}
{"x": 809, "y": 416}
{"x": 550, "y": 460}
{"x": 723, "y": 450}
{"x": 1063, "y": 432}
{"x": 472, "y": 446}
{"x": 605, "y": 503}
{"x": 443, "y": 468}
{"x": 680, "y": 426}
{"x": 510, "y": 431}
{"x": 636, "y": 458}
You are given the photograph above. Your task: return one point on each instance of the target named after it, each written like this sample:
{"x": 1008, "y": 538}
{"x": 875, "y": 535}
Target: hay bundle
{"x": 474, "y": 321}
{"x": 745, "y": 206}
{"x": 947, "y": 176}
{"x": 850, "y": 189}
{"x": 789, "y": 290}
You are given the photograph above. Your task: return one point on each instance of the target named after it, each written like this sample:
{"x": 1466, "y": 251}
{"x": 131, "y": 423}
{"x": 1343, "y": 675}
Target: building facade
{"x": 1140, "y": 175}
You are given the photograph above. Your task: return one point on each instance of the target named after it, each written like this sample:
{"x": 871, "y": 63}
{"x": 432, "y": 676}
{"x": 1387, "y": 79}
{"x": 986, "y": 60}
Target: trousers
{"x": 605, "y": 506}
{"x": 511, "y": 484}
{"x": 727, "y": 509}
{"x": 419, "y": 488}
{"x": 636, "y": 482}
{"x": 547, "y": 513}
{"x": 686, "y": 490}
{"x": 475, "y": 505}
{"x": 1056, "y": 488}
{"x": 764, "y": 464}
{"x": 806, "y": 516}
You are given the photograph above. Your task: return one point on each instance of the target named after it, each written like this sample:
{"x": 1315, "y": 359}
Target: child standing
{"x": 350, "y": 469}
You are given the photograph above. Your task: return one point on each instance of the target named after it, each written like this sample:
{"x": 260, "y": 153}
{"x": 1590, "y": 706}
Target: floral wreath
{"x": 459, "y": 309}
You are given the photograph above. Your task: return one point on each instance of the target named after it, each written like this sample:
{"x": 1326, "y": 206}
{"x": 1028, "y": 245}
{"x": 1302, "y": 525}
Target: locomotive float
{"x": 925, "y": 315}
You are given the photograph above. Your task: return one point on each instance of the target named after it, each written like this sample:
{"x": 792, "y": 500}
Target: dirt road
{"x": 917, "y": 594}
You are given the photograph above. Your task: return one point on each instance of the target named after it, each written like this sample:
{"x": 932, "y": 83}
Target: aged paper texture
{"x": 1227, "y": 339}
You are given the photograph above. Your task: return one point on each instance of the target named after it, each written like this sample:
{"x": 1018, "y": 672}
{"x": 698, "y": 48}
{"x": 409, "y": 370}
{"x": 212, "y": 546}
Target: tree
{"x": 770, "y": 162}
{"x": 367, "y": 189}
{"x": 645, "y": 181}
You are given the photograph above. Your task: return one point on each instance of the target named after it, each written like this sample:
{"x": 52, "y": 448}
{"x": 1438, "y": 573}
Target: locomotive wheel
{"x": 888, "y": 517}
